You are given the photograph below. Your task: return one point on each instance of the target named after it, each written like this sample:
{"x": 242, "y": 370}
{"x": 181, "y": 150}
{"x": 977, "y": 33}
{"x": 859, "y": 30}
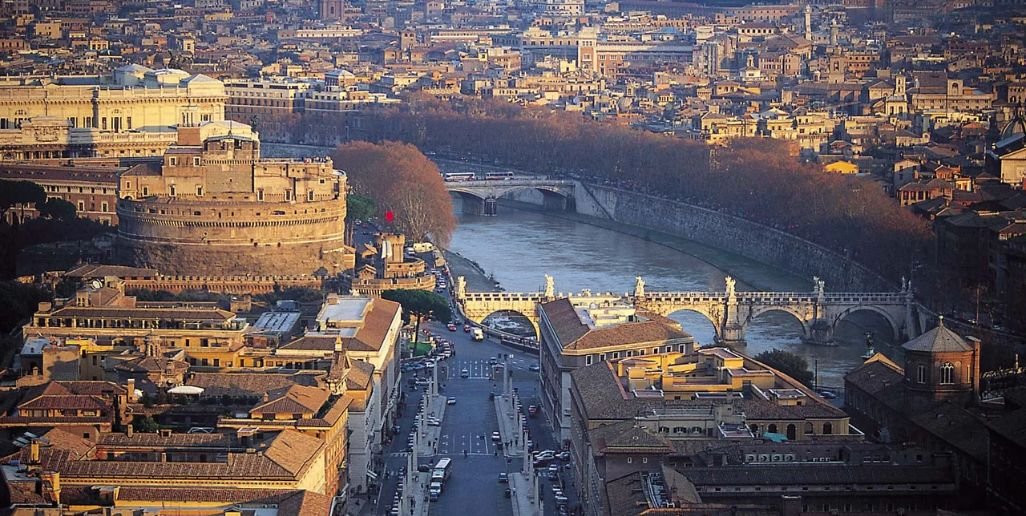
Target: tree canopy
{"x": 13, "y": 193}
{"x": 420, "y": 302}
{"x": 398, "y": 178}
{"x": 788, "y": 363}
{"x": 57, "y": 209}
{"x": 759, "y": 179}
{"x": 359, "y": 207}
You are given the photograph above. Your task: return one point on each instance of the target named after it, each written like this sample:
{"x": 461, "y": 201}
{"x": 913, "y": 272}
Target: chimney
{"x": 189, "y": 136}
{"x": 52, "y": 480}
{"x": 34, "y": 452}
{"x": 131, "y": 390}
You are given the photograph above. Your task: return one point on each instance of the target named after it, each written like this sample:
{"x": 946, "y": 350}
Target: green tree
{"x": 18, "y": 302}
{"x": 359, "y": 207}
{"x": 57, "y": 209}
{"x": 145, "y": 425}
{"x": 788, "y": 363}
{"x": 13, "y": 193}
{"x": 420, "y": 302}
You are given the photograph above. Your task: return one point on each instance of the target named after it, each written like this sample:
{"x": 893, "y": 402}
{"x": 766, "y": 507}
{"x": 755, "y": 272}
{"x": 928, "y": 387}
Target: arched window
{"x": 772, "y": 428}
{"x": 755, "y": 429}
{"x": 947, "y": 373}
{"x": 808, "y": 428}
{"x": 921, "y": 374}
{"x": 792, "y": 432}
{"x": 828, "y": 428}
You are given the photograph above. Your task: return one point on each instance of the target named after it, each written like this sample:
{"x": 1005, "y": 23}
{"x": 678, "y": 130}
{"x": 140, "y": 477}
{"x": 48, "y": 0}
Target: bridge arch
{"x": 895, "y": 326}
{"x": 797, "y": 316}
{"x": 689, "y": 323}
{"x": 530, "y": 317}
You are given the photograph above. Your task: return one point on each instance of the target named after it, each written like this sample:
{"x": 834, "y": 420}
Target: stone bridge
{"x": 729, "y": 311}
{"x": 479, "y": 197}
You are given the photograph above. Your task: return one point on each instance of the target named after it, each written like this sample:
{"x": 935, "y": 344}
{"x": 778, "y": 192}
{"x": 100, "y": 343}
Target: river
{"x": 518, "y": 247}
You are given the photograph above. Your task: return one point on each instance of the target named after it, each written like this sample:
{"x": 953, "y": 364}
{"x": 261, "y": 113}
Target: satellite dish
{"x": 97, "y": 283}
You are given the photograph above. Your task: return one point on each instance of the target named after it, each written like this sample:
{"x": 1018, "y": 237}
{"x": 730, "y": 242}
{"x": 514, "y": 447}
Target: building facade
{"x": 213, "y": 206}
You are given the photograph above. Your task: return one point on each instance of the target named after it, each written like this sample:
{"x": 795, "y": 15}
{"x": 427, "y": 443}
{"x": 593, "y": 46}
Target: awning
{"x": 186, "y": 389}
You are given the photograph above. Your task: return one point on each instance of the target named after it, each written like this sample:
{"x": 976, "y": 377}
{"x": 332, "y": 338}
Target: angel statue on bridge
{"x": 731, "y": 282}
{"x": 550, "y": 287}
{"x": 461, "y": 287}
{"x": 639, "y": 287}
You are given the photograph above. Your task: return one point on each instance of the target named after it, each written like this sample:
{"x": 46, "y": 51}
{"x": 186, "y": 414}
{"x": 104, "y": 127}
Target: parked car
{"x": 424, "y": 468}
{"x": 466, "y": 328}
{"x": 464, "y": 373}
{"x": 827, "y": 395}
{"x": 450, "y": 327}
{"x": 532, "y": 410}
{"x": 450, "y": 401}
{"x": 496, "y": 436}
{"x": 503, "y": 478}
{"x": 534, "y": 368}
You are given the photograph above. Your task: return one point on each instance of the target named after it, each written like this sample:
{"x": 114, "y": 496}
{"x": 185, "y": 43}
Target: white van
{"x": 476, "y": 334}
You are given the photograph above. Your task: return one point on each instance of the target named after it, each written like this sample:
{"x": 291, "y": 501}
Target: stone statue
{"x": 550, "y": 287}
{"x": 461, "y": 287}
{"x": 639, "y": 287}
{"x": 731, "y": 282}
{"x": 354, "y": 292}
{"x": 815, "y": 284}
{"x": 820, "y": 286}
{"x": 904, "y": 284}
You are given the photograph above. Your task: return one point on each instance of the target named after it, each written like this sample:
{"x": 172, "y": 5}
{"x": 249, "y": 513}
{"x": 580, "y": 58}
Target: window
{"x": 81, "y": 206}
{"x": 173, "y": 191}
{"x": 602, "y": 357}
{"x": 146, "y": 191}
{"x": 260, "y": 194}
{"x": 630, "y": 460}
{"x": 616, "y": 355}
{"x": 808, "y": 428}
{"x": 195, "y": 161}
{"x": 772, "y": 428}
{"x": 828, "y": 428}
{"x": 173, "y": 161}
{"x": 309, "y": 195}
{"x": 587, "y": 360}
{"x": 947, "y": 373}
{"x": 921, "y": 374}
{"x": 128, "y": 121}
{"x": 199, "y": 191}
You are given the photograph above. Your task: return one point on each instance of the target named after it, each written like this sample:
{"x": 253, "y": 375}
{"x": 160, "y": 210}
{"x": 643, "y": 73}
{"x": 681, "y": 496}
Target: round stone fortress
{"x": 213, "y": 207}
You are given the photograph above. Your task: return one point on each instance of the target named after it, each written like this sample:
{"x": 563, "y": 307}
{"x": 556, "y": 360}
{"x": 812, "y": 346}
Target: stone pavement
{"x": 511, "y": 424}
{"x": 427, "y": 442}
{"x": 523, "y": 496}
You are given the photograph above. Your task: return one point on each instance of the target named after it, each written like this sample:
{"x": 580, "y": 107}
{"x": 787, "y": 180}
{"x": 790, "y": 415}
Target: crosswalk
{"x": 473, "y": 443}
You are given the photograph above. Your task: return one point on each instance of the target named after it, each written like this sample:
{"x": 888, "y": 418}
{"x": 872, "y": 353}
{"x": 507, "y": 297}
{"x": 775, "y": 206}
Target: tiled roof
{"x": 563, "y": 319}
{"x": 626, "y": 495}
{"x": 375, "y": 326}
{"x": 574, "y": 334}
{"x": 175, "y": 440}
{"x": 294, "y": 399}
{"x": 626, "y": 334}
{"x": 938, "y": 340}
{"x": 843, "y": 474}
{"x": 192, "y": 314}
{"x": 626, "y": 436}
{"x": 289, "y": 453}
{"x": 248, "y": 384}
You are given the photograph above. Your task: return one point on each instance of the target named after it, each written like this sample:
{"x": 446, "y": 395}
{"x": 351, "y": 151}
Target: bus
{"x": 505, "y": 176}
{"x": 442, "y": 470}
{"x": 459, "y": 176}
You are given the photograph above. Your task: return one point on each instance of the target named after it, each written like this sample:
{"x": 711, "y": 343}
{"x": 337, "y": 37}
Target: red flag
{"x": 389, "y": 216}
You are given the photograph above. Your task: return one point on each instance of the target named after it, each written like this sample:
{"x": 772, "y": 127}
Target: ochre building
{"x": 213, "y": 207}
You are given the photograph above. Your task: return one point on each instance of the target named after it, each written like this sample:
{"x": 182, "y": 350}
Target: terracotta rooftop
{"x": 248, "y": 384}
{"x": 938, "y": 340}
{"x": 294, "y": 399}
{"x": 574, "y": 334}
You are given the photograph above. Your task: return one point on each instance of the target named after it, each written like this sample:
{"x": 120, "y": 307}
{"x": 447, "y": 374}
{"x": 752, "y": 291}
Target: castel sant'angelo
{"x": 211, "y": 206}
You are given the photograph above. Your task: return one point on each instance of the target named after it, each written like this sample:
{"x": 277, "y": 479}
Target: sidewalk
{"x": 427, "y": 444}
{"x": 415, "y": 495}
{"x": 510, "y": 426}
{"x": 522, "y": 497}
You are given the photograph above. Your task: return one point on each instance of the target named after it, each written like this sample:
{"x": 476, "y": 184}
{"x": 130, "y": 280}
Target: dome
{"x": 938, "y": 340}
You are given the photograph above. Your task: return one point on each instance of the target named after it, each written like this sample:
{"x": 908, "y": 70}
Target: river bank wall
{"x": 729, "y": 233}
